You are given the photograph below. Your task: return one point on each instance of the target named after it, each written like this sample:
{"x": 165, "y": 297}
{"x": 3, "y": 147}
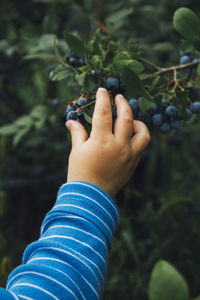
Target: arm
{"x": 69, "y": 259}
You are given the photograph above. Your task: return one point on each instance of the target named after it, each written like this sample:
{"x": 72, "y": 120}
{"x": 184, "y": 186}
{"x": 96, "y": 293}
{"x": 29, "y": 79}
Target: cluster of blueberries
{"x": 163, "y": 115}
{"x": 187, "y": 58}
{"x": 75, "y": 61}
{"x": 74, "y": 113}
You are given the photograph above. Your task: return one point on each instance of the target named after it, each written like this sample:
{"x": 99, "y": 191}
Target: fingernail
{"x": 120, "y": 96}
{"x": 68, "y": 124}
{"x": 101, "y": 89}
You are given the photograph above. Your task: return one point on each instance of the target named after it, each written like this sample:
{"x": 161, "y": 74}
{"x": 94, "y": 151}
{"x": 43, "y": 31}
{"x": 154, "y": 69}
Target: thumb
{"x": 77, "y": 131}
{"x": 141, "y": 139}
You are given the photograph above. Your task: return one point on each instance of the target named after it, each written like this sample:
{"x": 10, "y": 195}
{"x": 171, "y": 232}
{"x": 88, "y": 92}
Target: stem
{"x": 150, "y": 64}
{"x": 172, "y": 69}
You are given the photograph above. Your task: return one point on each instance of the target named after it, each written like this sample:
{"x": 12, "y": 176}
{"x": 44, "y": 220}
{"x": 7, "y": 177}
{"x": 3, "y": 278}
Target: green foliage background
{"x": 160, "y": 207}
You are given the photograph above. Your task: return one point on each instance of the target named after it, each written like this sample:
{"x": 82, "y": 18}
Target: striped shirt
{"x": 69, "y": 259}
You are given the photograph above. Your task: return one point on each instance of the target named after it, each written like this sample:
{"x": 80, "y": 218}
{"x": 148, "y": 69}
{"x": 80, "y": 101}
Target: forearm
{"x": 70, "y": 257}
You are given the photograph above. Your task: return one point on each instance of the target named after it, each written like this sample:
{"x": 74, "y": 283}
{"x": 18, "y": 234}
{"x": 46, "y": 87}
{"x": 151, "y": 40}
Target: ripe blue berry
{"x": 171, "y": 111}
{"x": 154, "y": 109}
{"x": 82, "y": 101}
{"x": 195, "y": 59}
{"x": 112, "y": 82}
{"x": 175, "y": 124}
{"x": 195, "y": 107}
{"x": 165, "y": 127}
{"x": 73, "y": 62}
{"x": 185, "y": 60}
{"x": 143, "y": 116}
{"x": 157, "y": 119}
{"x": 72, "y": 115}
{"x": 70, "y": 108}
{"x": 164, "y": 103}
{"x": 81, "y": 62}
{"x": 55, "y": 102}
{"x": 189, "y": 112}
{"x": 134, "y": 105}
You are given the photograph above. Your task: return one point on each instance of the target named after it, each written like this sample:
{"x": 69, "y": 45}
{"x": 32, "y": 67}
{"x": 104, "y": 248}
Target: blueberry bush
{"x": 54, "y": 55}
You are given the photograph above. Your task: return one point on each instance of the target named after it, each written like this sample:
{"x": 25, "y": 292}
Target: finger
{"x": 102, "y": 116}
{"x": 124, "y": 123}
{"x": 77, "y": 131}
{"x": 141, "y": 139}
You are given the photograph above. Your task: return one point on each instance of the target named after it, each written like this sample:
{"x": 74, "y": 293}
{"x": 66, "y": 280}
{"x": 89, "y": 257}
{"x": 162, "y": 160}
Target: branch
{"x": 172, "y": 69}
{"x": 150, "y": 64}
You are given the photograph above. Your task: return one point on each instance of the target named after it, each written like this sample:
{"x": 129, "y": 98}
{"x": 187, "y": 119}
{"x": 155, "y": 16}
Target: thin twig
{"x": 150, "y": 64}
{"x": 171, "y": 69}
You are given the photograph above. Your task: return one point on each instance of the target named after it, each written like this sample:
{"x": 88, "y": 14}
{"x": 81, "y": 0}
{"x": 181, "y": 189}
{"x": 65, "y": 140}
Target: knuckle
{"x": 102, "y": 110}
{"x": 128, "y": 120}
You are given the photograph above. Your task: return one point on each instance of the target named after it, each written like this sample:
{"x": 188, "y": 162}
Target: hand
{"x": 107, "y": 159}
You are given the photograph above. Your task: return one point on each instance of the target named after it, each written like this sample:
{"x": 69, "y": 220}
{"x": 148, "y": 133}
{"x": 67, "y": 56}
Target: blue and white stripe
{"x": 69, "y": 260}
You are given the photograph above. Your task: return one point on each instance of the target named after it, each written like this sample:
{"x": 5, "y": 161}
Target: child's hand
{"x": 107, "y": 159}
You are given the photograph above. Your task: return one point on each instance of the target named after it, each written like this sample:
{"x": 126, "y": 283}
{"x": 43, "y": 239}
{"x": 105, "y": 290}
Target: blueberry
{"x": 81, "y": 62}
{"x": 195, "y": 107}
{"x": 175, "y": 124}
{"x": 142, "y": 116}
{"x": 80, "y": 116}
{"x": 185, "y": 60}
{"x": 164, "y": 103}
{"x": 154, "y": 109}
{"x": 165, "y": 127}
{"x": 189, "y": 112}
{"x": 73, "y": 62}
{"x": 55, "y": 102}
{"x": 70, "y": 108}
{"x": 171, "y": 111}
{"x": 157, "y": 119}
{"x": 72, "y": 115}
{"x": 82, "y": 101}
{"x": 72, "y": 54}
{"x": 195, "y": 59}
{"x": 134, "y": 105}
{"x": 182, "y": 53}
{"x": 112, "y": 82}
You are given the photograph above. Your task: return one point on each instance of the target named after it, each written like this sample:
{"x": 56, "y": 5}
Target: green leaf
{"x": 59, "y": 73}
{"x": 181, "y": 99}
{"x": 186, "y": 23}
{"x": 145, "y": 104}
{"x": 122, "y": 59}
{"x": 23, "y": 122}
{"x": 87, "y": 117}
{"x": 187, "y": 46}
{"x": 167, "y": 283}
{"x": 119, "y": 15}
{"x": 58, "y": 56}
{"x": 19, "y": 135}
{"x": 38, "y": 112}
{"x": 75, "y": 44}
{"x": 81, "y": 78}
{"x": 8, "y": 129}
{"x": 132, "y": 82}
{"x": 39, "y": 115}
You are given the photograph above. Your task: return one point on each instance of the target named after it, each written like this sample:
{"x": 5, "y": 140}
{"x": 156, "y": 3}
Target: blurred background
{"x": 160, "y": 207}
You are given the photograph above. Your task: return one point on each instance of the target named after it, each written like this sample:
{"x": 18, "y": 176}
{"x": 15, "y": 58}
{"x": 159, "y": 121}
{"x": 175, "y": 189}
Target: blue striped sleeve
{"x": 69, "y": 259}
